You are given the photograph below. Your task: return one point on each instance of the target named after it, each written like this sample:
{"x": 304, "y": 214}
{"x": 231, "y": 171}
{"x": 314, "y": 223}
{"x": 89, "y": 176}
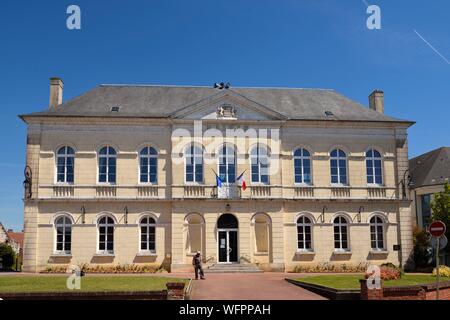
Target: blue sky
{"x": 282, "y": 43}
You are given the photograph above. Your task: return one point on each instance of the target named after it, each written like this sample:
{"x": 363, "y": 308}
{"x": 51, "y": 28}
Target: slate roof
{"x": 156, "y": 101}
{"x": 431, "y": 168}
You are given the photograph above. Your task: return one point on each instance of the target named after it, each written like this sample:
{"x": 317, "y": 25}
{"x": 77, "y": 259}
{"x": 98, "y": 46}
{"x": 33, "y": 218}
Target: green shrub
{"x": 422, "y": 250}
{"x": 7, "y": 255}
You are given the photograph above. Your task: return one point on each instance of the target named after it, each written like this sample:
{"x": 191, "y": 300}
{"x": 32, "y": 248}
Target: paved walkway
{"x": 249, "y": 286}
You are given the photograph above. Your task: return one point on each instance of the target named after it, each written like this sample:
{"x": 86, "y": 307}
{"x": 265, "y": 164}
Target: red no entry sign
{"x": 437, "y": 228}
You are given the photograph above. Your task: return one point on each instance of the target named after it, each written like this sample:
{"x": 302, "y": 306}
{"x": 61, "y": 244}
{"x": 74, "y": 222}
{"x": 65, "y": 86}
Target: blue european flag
{"x": 218, "y": 181}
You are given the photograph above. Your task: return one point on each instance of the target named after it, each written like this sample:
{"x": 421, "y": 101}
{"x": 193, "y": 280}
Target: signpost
{"x": 437, "y": 229}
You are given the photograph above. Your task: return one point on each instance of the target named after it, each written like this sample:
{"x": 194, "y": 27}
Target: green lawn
{"x": 352, "y": 281}
{"x": 57, "y": 283}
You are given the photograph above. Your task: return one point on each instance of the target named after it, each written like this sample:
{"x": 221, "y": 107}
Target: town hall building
{"x": 271, "y": 177}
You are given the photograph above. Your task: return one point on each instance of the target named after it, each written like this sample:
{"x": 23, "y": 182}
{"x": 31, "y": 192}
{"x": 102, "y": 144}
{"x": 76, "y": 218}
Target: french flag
{"x": 241, "y": 181}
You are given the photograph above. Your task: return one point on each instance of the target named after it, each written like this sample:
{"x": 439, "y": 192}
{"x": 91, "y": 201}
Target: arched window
{"x": 148, "y": 165}
{"x": 259, "y": 158}
{"x": 148, "y": 229}
{"x": 302, "y": 166}
{"x": 65, "y": 164}
{"x": 373, "y": 167}
{"x": 304, "y": 226}
{"x": 194, "y": 164}
{"x": 107, "y": 165}
{"x": 106, "y": 235}
{"x": 63, "y": 227}
{"x": 340, "y": 225}
{"x": 227, "y": 164}
{"x": 377, "y": 233}
{"x": 338, "y": 164}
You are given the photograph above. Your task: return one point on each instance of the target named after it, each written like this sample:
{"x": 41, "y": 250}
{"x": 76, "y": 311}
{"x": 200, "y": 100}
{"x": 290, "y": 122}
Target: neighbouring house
{"x": 273, "y": 177}
{"x": 15, "y": 240}
{"x": 3, "y": 234}
{"x": 428, "y": 174}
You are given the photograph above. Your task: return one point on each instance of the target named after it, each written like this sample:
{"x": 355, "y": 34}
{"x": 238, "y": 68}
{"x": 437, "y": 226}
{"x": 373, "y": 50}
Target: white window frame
{"x": 63, "y": 225}
{"x": 304, "y": 225}
{"x": 337, "y": 158}
{"x": 227, "y": 157}
{"x": 106, "y": 225}
{"x": 258, "y": 157}
{"x": 376, "y": 224}
{"x": 107, "y": 156}
{"x": 65, "y": 155}
{"x": 148, "y": 157}
{"x": 147, "y": 226}
{"x": 302, "y": 167}
{"x": 372, "y": 159}
{"x": 194, "y": 156}
{"x": 340, "y": 225}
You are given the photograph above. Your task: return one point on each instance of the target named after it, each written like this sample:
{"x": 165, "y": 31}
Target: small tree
{"x": 440, "y": 207}
{"x": 8, "y": 256}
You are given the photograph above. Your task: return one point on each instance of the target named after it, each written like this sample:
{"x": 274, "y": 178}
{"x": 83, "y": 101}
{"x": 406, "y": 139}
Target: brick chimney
{"x": 56, "y": 92}
{"x": 376, "y": 101}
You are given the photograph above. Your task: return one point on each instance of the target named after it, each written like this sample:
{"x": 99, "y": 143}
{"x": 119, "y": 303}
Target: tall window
{"x": 194, "y": 164}
{"x": 377, "y": 233}
{"x": 373, "y": 167}
{"x": 63, "y": 226}
{"x": 147, "y": 234}
{"x": 340, "y": 225}
{"x": 260, "y": 164}
{"x": 107, "y": 165}
{"x": 148, "y": 158}
{"x": 304, "y": 226}
{"x": 106, "y": 235}
{"x": 338, "y": 163}
{"x": 302, "y": 166}
{"x": 227, "y": 164}
{"x": 65, "y": 164}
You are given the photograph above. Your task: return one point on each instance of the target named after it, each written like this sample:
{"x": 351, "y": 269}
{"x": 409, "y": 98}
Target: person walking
{"x": 197, "y": 263}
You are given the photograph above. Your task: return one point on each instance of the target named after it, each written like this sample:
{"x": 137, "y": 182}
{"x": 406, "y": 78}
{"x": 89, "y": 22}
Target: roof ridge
{"x": 210, "y": 87}
{"x": 429, "y": 152}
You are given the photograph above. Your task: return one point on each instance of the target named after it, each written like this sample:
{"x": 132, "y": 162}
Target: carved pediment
{"x": 227, "y": 106}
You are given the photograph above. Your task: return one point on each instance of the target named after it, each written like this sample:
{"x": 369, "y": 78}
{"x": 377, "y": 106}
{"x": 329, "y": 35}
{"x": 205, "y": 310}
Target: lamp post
{"x": 83, "y": 214}
{"x": 358, "y": 216}
{"x": 405, "y": 184}
{"x": 126, "y": 214}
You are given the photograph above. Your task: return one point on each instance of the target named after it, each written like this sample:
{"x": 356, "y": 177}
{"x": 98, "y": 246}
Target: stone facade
{"x": 186, "y": 214}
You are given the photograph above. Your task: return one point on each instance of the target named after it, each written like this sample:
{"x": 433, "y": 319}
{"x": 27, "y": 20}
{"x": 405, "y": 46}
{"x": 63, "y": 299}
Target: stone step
{"x": 232, "y": 268}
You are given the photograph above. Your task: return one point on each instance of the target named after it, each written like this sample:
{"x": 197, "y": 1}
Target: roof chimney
{"x": 56, "y": 92}
{"x": 376, "y": 101}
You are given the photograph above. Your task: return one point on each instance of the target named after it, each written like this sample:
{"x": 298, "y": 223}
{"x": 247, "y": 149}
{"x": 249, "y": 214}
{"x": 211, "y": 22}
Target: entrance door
{"x": 228, "y": 249}
{"x": 227, "y": 237}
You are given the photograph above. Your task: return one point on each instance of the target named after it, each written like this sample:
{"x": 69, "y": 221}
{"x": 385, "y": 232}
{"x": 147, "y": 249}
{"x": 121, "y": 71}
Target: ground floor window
{"x": 304, "y": 227}
{"x": 106, "y": 235}
{"x": 340, "y": 226}
{"x": 63, "y": 226}
{"x": 377, "y": 233}
{"x": 147, "y": 226}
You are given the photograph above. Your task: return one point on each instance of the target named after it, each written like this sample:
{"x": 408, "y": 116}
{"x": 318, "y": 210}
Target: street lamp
{"x": 408, "y": 183}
